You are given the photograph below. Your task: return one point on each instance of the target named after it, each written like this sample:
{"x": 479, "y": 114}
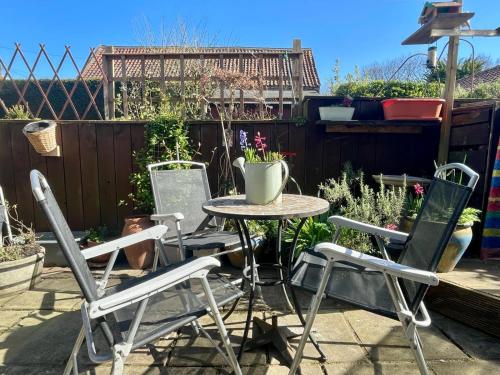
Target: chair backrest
{"x": 434, "y": 225}
{"x": 48, "y": 204}
{"x": 176, "y": 189}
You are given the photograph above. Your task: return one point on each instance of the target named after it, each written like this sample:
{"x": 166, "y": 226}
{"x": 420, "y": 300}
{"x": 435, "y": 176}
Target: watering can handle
{"x": 285, "y": 179}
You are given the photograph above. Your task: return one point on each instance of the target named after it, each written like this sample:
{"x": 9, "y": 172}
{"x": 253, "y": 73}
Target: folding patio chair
{"x": 394, "y": 289}
{"x": 137, "y": 312}
{"x": 178, "y": 195}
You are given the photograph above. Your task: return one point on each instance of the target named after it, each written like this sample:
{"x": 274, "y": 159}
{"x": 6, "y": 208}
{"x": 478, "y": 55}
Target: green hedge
{"x": 480, "y": 91}
{"x": 391, "y": 89}
{"x": 56, "y": 97}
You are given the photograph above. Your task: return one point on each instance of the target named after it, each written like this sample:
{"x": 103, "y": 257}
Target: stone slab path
{"x": 38, "y": 328}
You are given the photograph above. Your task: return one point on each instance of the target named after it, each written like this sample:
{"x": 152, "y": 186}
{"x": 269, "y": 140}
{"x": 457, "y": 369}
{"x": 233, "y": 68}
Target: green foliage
{"x": 97, "y": 235}
{"x": 469, "y": 216}
{"x": 465, "y": 67}
{"x": 17, "y": 112}
{"x": 391, "y": 89}
{"x": 313, "y": 232}
{"x": 251, "y": 156}
{"x": 56, "y": 97}
{"x": 480, "y": 91}
{"x": 166, "y": 139}
{"x": 351, "y": 197}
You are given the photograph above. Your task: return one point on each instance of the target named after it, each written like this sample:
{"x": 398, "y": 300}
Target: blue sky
{"x": 356, "y": 31}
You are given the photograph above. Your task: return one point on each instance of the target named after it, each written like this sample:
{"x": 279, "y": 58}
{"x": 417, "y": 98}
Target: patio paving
{"x": 38, "y": 328}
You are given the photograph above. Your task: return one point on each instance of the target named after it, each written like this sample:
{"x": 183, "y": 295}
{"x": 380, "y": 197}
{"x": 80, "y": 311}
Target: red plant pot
{"x": 412, "y": 109}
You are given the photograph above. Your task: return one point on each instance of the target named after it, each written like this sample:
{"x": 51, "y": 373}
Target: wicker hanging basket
{"x": 42, "y": 135}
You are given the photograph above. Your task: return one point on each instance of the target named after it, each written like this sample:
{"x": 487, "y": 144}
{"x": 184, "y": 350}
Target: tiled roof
{"x": 486, "y": 76}
{"x": 250, "y": 64}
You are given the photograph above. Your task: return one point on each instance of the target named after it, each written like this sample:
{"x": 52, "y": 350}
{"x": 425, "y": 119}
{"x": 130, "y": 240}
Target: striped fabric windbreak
{"x": 490, "y": 248}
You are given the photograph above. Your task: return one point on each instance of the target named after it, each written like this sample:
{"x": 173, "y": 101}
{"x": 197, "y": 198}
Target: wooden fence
{"x": 92, "y": 176}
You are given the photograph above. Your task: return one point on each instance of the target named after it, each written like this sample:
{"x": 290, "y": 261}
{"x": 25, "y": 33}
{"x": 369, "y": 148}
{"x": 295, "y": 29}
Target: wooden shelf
{"x": 442, "y": 21}
{"x": 378, "y": 126}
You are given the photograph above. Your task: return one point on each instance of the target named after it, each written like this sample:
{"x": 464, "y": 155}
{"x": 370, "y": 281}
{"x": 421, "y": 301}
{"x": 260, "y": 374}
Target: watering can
{"x": 264, "y": 182}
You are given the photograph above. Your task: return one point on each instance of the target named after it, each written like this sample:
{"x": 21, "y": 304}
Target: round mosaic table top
{"x": 291, "y": 206}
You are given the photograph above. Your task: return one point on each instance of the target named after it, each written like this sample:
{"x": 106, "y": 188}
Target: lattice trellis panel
{"x": 51, "y": 96}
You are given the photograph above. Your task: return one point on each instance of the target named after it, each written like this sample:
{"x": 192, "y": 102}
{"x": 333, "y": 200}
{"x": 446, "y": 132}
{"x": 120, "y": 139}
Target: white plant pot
{"x": 336, "y": 113}
{"x": 20, "y": 275}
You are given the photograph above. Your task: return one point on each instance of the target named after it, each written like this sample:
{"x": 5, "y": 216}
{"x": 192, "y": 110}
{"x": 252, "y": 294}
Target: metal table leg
{"x": 280, "y": 270}
{"x": 295, "y": 300}
{"x": 249, "y": 255}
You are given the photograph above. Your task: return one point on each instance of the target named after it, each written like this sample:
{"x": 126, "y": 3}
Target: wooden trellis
{"x": 7, "y": 76}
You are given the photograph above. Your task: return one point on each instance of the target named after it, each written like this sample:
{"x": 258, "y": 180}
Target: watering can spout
{"x": 240, "y": 163}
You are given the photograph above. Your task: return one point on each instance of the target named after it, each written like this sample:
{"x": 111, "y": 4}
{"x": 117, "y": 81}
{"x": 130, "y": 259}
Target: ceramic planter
{"x": 412, "y": 109}
{"x": 264, "y": 182}
{"x": 336, "y": 113}
{"x": 459, "y": 242}
{"x": 139, "y": 255}
{"x": 19, "y": 275}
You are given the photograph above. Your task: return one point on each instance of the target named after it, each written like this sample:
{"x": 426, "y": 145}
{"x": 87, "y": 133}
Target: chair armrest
{"x": 339, "y": 253}
{"x": 368, "y": 228}
{"x": 176, "y": 216}
{"x": 153, "y": 233}
{"x": 198, "y": 268}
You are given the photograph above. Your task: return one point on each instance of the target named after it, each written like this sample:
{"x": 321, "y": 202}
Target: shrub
{"x": 351, "y": 197}
{"x": 391, "y": 89}
{"x": 17, "y": 112}
{"x": 481, "y": 91}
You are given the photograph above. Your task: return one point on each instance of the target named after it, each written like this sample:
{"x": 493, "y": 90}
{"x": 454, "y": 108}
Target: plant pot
{"x": 264, "y": 182}
{"x": 237, "y": 259}
{"x": 459, "y": 242}
{"x": 99, "y": 261}
{"x": 42, "y": 135}
{"x": 19, "y": 275}
{"x": 139, "y": 255}
{"x": 412, "y": 109}
{"x": 336, "y": 113}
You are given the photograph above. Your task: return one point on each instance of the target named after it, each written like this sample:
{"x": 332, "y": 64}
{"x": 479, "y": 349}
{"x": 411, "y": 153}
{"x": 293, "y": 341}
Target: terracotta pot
{"x": 237, "y": 259}
{"x": 412, "y": 108}
{"x": 100, "y": 260}
{"x": 140, "y": 255}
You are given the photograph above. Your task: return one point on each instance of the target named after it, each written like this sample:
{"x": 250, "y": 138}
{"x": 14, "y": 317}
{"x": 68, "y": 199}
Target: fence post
{"x": 298, "y": 75}
{"x": 109, "y": 88}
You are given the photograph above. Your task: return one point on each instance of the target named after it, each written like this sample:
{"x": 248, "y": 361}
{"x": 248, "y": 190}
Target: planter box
{"x": 53, "y": 253}
{"x": 336, "y": 113}
{"x": 20, "y": 275}
{"x": 412, "y": 109}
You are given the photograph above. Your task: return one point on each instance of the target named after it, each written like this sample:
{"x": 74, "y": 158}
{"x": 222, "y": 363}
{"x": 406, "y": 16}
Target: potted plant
{"x": 165, "y": 139}
{"x": 94, "y": 237}
{"x": 263, "y": 173}
{"x": 343, "y": 112}
{"x": 21, "y": 258}
{"x": 461, "y": 237}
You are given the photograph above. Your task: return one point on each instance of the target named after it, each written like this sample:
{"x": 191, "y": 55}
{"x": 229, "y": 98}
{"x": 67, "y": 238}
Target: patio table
{"x": 292, "y": 206}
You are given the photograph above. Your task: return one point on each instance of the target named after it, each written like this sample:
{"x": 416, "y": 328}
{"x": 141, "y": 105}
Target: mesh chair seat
{"x": 170, "y": 310}
{"x": 209, "y": 240}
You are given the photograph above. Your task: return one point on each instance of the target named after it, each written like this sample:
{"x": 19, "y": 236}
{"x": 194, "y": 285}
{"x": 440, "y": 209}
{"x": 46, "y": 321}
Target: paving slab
{"x": 363, "y": 368}
{"x": 9, "y": 318}
{"x": 199, "y": 351}
{"x": 477, "y": 344}
{"x": 40, "y": 339}
{"x": 31, "y": 370}
{"x": 335, "y": 337}
{"x": 385, "y": 341}
{"x": 36, "y": 300}
{"x": 470, "y": 367}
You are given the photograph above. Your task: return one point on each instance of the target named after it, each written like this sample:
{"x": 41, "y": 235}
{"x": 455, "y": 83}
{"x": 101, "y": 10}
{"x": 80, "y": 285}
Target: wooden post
{"x": 222, "y": 86}
{"x": 109, "y": 88}
{"x": 449, "y": 89}
{"x": 124, "y": 87}
{"x": 299, "y": 75}
{"x": 241, "y": 109}
{"x": 281, "y": 69}
{"x": 261, "y": 86}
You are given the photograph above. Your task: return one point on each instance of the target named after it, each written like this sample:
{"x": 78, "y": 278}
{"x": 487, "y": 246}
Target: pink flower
{"x": 419, "y": 190}
{"x": 391, "y": 226}
{"x": 259, "y": 142}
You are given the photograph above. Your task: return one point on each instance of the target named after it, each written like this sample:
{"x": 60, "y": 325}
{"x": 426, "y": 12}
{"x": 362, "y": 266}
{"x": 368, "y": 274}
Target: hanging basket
{"x": 42, "y": 135}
